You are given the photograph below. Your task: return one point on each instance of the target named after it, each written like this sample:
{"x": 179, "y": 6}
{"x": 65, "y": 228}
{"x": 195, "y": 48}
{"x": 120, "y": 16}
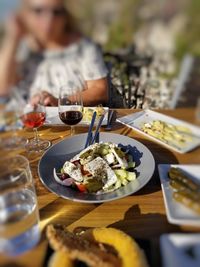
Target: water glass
{"x": 10, "y": 121}
{"x": 19, "y": 216}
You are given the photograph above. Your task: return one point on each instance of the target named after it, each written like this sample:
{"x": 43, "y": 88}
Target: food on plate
{"x": 105, "y": 247}
{"x": 88, "y": 112}
{"x": 100, "y": 168}
{"x": 175, "y": 135}
{"x": 185, "y": 190}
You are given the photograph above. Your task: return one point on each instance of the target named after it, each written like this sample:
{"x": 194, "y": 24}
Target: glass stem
{"x": 14, "y": 131}
{"x": 36, "y": 135}
{"x": 72, "y": 131}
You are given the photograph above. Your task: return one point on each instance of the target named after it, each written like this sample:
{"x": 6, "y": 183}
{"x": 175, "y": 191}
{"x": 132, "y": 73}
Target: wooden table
{"x": 141, "y": 215}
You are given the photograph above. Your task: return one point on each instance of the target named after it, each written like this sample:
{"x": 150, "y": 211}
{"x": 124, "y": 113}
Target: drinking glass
{"x": 12, "y": 123}
{"x": 19, "y": 217}
{"x": 33, "y": 117}
{"x": 70, "y": 106}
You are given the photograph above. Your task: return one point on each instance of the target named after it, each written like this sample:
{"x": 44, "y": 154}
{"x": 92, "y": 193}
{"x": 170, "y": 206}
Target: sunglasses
{"x": 56, "y": 12}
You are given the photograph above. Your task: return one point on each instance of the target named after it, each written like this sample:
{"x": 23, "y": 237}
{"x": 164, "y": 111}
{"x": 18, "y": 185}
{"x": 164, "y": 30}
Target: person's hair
{"x": 71, "y": 23}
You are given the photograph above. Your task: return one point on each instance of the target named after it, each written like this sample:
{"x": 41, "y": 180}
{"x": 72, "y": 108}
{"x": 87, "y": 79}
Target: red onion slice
{"x": 66, "y": 182}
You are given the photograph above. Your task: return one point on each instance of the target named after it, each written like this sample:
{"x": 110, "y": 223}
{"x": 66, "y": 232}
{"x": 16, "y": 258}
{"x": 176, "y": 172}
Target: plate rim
{"x": 97, "y": 201}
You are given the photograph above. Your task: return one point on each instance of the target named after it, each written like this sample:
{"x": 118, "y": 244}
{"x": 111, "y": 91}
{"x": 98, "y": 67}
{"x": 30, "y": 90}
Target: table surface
{"x": 141, "y": 215}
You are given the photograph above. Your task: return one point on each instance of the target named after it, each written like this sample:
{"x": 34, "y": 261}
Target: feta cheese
{"x": 73, "y": 171}
{"x": 110, "y": 158}
{"x": 99, "y": 167}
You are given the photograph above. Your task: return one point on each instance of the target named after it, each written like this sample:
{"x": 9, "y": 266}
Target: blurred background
{"x": 151, "y": 48}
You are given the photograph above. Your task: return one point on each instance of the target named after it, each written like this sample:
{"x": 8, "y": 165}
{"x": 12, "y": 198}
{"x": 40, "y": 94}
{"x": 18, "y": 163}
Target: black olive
{"x": 131, "y": 169}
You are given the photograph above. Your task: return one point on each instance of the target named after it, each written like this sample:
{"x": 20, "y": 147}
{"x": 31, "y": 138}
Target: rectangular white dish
{"x": 52, "y": 117}
{"x": 180, "y": 250}
{"x": 136, "y": 120}
{"x": 176, "y": 212}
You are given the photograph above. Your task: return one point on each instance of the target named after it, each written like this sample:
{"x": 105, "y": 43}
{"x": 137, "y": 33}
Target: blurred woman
{"x": 42, "y": 50}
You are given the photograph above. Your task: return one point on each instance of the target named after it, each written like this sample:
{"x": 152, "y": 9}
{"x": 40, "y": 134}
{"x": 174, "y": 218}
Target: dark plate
{"x": 66, "y": 149}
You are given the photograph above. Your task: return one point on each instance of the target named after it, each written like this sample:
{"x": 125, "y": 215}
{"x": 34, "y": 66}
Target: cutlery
{"x": 97, "y": 130}
{"x": 89, "y": 136}
{"x": 110, "y": 120}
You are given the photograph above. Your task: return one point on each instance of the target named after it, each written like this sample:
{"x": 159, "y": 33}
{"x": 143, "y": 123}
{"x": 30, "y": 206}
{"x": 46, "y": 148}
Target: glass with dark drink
{"x": 70, "y": 106}
{"x": 33, "y": 117}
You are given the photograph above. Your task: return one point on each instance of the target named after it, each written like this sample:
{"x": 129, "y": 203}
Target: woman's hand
{"x": 15, "y": 29}
{"x": 13, "y": 33}
{"x": 45, "y": 98}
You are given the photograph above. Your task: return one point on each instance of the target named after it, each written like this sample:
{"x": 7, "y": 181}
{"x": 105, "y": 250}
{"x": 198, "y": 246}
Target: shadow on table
{"x": 161, "y": 155}
{"x": 148, "y": 225}
{"x": 146, "y": 229}
{"x": 62, "y": 211}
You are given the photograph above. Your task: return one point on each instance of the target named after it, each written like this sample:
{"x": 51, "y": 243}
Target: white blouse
{"x": 79, "y": 62}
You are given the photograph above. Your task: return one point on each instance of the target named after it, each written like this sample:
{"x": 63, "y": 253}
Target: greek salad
{"x": 100, "y": 168}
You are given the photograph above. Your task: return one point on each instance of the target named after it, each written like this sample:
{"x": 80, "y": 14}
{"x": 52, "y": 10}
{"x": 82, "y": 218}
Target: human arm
{"x": 8, "y": 64}
{"x": 96, "y": 93}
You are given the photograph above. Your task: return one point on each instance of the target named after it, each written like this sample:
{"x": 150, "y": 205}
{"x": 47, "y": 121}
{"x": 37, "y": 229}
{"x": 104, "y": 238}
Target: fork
{"x": 109, "y": 123}
{"x": 89, "y": 136}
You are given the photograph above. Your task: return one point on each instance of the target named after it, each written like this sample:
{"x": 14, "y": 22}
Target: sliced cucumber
{"x": 130, "y": 158}
{"x": 103, "y": 151}
{"x": 125, "y": 182}
{"x": 131, "y": 176}
{"x": 131, "y": 164}
{"x": 117, "y": 184}
{"x": 121, "y": 174}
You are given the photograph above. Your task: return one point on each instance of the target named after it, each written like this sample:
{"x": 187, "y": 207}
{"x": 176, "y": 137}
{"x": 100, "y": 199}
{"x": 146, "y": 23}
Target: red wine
{"x": 71, "y": 117}
{"x": 33, "y": 119}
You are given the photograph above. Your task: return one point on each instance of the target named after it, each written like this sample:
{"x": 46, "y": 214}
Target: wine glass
{"x": 70, "y": 106}
{"x": 33, "y": 117}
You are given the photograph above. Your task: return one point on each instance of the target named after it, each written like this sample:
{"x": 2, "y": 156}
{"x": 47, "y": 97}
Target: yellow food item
{"x": 88, "y": 112}
{"x": 60, "y": 259}
{"x": 175, "y": 135}
{"x": 185, "y": 190}
{"x": 128, "y": 250}
{"x": 85, "y": 245}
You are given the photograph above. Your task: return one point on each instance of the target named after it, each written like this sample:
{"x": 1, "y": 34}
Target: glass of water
{"x": 19, "y": 216}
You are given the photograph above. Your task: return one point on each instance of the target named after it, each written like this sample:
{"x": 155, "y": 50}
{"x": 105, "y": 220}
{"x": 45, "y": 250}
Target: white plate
{"x": 177, "y": 213}
{"x": 52, "y": 117}
{"x": 136, "y": 120}
{"x": 175, "y": 250}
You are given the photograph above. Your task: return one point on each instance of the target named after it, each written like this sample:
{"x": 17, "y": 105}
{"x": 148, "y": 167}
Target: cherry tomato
{"x": 81, "y": 187}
